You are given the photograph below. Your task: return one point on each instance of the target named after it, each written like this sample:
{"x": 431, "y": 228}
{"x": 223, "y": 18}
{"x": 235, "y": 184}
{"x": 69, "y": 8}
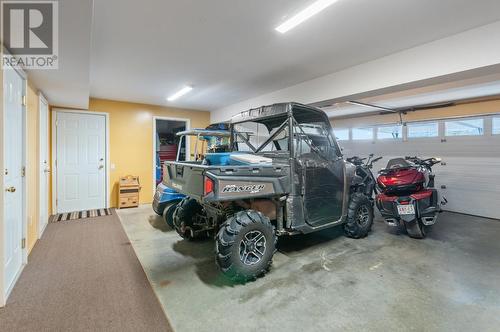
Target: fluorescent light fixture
{"x": 180, "y": 93}
{"x": 305, "y": 14}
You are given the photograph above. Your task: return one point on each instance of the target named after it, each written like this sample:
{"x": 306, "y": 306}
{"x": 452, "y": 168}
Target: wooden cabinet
{"x": 128, "y": 192}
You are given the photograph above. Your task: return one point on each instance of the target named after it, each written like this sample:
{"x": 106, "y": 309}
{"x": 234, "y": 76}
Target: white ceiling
{"x": 69, "y": 85}
{"x": 228, "y": 49}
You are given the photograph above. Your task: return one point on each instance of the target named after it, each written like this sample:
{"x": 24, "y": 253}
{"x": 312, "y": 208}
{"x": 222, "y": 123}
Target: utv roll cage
{"x": 280, "y": 118}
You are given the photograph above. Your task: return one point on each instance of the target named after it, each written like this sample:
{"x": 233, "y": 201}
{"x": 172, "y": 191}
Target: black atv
{"x": 284, "y": 175}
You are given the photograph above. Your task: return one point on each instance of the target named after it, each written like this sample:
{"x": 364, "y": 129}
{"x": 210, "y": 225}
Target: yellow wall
{"x": 466, "y": 109}
{"x": 131, "y": 139}
{"x": 32, "y": 164}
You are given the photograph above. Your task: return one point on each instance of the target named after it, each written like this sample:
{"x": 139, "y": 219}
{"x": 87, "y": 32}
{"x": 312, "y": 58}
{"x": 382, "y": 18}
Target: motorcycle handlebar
{"x": 429, "y": 162}
{"x": 359, "y": 161}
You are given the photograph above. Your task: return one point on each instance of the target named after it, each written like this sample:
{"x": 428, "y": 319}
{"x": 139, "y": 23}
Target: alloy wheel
{"x": 252, "y": 247}
{"x": 363, "y": 216}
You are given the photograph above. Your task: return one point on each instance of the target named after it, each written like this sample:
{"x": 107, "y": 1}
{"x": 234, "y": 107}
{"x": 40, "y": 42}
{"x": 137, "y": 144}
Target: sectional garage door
{"x": 469, "y": 176}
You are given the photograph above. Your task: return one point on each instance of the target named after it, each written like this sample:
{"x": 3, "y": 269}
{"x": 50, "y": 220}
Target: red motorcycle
{"x": 407, "y": 197}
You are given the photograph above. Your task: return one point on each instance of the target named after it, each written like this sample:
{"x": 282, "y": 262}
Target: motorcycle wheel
{"x": 416, "y": 229}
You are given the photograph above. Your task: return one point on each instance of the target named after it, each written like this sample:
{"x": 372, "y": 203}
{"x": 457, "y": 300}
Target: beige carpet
{"x": 83, "y": 276}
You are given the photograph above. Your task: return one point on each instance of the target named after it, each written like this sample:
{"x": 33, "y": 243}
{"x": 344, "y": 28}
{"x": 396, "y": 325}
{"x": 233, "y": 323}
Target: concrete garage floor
{"x": 326, "y": 282}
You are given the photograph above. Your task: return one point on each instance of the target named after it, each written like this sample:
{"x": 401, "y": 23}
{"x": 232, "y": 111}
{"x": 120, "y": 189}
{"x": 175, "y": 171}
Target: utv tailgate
{"x": 230, "y": 181}
{"x": 185, "y": 178}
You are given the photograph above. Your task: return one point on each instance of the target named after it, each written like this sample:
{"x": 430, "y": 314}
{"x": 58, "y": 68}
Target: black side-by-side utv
{"x": 285, "y": 175}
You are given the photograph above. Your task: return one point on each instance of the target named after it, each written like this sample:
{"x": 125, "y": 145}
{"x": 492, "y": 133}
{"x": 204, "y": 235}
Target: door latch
{"x": 23, "y": 243}
{"x": 23, "y": 172}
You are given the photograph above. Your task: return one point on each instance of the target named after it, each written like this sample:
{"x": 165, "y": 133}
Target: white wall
{"x": 424, "y": 65}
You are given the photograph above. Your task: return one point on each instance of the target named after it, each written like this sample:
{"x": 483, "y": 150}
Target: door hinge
{"x": 23, "y": 171}
{"x": 23, "y": 243}
{"x": 24, "y": 101}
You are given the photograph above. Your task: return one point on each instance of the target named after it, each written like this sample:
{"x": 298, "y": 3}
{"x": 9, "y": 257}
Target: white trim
{"x": 53, "y": 162}
{"x": 26, "y": 172}
{"x": 188, "y": 141}
{"x": 14, "y": 282}
{"x": 2, "y": 167}
{"x": 42, "y": 100}
{"x": 54, "y": 153}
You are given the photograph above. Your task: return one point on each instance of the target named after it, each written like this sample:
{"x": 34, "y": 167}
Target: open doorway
{"x": 166, "y": 143}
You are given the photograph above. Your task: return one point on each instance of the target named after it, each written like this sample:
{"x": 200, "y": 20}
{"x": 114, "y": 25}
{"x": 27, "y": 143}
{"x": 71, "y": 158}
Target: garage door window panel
{"x": 464, "y": 127}
{"x": 341, "y": 134}
{"x": 394, "y": 132}
{"x": 359, "y": 134}
{"x": 423, "y": 130}
{"x": 496, "y": 125}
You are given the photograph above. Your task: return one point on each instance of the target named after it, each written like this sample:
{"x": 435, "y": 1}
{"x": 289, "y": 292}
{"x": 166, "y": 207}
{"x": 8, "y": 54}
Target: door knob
{"x": 46, "y": 170}
{"x": 101, "y": 166}
{"x": 11, "y": 190}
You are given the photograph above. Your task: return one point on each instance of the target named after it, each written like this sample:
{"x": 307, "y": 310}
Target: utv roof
{"x": 204, "y": 132}
{"x": 301, "y": 113}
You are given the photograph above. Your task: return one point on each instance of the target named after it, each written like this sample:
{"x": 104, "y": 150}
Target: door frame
{"x": 54, "y": 113}
{"x": 42, "y": 225}
{"x": 5, "y": 292}
{"x": 188, "y": 141}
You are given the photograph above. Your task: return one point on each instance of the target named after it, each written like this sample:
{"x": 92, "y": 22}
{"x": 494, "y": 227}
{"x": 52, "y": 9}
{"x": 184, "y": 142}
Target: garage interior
{"x": 393, "y": 79}
{"x": 167, "y": 143}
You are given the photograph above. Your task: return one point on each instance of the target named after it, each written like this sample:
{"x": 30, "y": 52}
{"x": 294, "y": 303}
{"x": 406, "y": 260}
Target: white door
{"x": 13, "y": 175}
{"x": 44, "y": 168}
{"x": 80, "y": 161}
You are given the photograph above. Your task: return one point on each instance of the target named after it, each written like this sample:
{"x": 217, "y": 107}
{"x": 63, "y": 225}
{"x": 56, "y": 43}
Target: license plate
{"x": 406, "y": 209}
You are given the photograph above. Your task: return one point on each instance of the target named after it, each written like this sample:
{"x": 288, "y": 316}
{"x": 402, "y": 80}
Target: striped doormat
{"x": 81, "y": 215}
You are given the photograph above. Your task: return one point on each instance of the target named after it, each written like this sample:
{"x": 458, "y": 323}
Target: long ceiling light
{"x": 180, "y": 93}
{"x": 305, "y": 14}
